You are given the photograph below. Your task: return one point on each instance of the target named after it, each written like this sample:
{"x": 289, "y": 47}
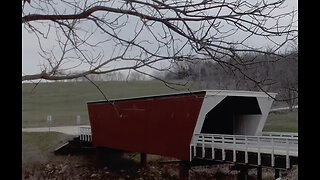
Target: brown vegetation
{"x": 83, "y": 167}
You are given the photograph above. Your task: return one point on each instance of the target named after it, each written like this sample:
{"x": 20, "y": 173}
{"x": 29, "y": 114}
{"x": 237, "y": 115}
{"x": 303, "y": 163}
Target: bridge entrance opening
{"x": 233, "y": 115}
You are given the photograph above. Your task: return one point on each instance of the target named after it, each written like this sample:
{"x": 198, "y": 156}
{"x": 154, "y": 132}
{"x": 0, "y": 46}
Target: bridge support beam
{"x": 276, "y": 173}
{"x": 100, "y": 158}
{"x": 184, "y": 170}
{"x": 143, "y": 160}
{"x": 243, "y": 174}
{"x": 259, "y": 173}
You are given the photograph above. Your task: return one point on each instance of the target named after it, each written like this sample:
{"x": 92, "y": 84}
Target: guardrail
{"x": 280, "y": 134}
{"x": 85, "y": 134}
{"x": 283, "y": 108}
{"x": 286, "y": 146}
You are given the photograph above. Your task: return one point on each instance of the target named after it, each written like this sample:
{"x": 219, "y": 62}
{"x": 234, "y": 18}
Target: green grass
{"x": 64, "y": 101}
{"x": 282, "y": 121}
{"x": 37, "y": 147}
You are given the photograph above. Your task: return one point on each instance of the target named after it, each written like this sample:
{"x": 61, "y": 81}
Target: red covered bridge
{"x": 167, "y": 124}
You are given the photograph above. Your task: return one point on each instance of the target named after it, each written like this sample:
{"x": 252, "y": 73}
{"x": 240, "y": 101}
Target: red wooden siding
{"x": 160, "y": 125}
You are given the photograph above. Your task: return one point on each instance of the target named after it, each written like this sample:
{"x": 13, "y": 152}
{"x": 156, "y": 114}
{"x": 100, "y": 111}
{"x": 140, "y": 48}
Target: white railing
{"x": 280, "y": 134}
{"x": 287, "y": 146}
{"x": 85, "y": 134}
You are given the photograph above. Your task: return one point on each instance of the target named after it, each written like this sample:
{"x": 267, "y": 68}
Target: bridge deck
{"x": 271, "y": 149}
{"x": 267, "y": 147}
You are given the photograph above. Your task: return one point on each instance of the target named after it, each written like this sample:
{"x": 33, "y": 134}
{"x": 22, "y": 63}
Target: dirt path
{"x": 70, "y": 130}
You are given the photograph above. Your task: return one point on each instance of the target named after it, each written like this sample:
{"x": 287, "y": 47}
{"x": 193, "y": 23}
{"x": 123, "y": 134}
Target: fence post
{"x": 78, "y": 119}
{"x": 49, "y": 121}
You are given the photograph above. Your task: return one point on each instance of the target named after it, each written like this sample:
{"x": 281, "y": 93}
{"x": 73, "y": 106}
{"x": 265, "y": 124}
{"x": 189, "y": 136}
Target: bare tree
{"x": 135, "y": 76}
{"x": 113, "y": 76}
{"x": 272, "y": 74}
{"x": 108, "y": 36}
{"x": 288, "y": 80}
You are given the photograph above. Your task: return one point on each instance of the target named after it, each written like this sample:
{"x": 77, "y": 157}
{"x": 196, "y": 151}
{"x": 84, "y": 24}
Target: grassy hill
{"x": 64, "y": 101}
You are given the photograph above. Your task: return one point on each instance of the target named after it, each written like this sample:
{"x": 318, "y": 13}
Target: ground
{"x": 154, "y": 170}
{"x": 39, "y": 162}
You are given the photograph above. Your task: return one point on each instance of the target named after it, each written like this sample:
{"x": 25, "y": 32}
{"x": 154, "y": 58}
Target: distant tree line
{"x": 258, "y": 72}
{"x": 254, "y": 72}
{"x": 113, "y": 76}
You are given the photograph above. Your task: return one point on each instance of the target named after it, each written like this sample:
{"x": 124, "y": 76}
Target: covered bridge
{"x": 167, "y": 124}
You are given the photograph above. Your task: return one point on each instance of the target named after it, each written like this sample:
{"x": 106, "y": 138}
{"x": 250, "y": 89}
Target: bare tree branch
{"x": 101, "y": 37}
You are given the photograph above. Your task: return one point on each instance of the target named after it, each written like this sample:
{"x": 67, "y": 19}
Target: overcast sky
{"x": 31, "y": 60}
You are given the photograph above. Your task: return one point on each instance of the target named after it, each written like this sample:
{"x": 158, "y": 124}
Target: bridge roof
{"x": 208, "y": 93}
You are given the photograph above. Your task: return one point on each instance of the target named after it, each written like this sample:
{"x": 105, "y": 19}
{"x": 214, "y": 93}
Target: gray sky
{"x": 31, "y": 60}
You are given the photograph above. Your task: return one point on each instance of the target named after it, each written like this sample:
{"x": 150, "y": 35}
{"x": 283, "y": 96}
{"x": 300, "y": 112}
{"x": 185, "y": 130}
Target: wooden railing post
{"x": 203, "y": 150}
{"x": 287, "y": 154}
{"x": 234, "y": 149}
{"x": 259, "y": 154}
{"x": 195, "y": 147}
{"x": 223, "y": 152}
{"x": 212, "y": 148}
{"x": 272, "y": 153}
{"x": 246, "y": 152}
